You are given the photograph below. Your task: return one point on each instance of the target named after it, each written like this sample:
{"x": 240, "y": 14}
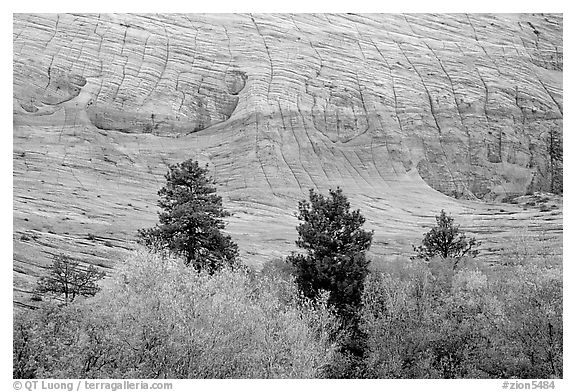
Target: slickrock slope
{"x": 408, "y": 113}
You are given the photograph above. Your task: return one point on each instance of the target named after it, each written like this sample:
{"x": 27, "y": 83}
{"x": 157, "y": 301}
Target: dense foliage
{"x": 192, "y": 219}
{"x": 335, "y": 246}
{"x": 429, "y": 321}
{"x": 419, "y": 320}
{"x": 161, "y": 319}
{"x": 445, "y": 240}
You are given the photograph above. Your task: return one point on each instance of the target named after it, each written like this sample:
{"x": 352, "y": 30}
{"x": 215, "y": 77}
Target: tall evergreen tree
{"x": 191, "y": 219}
{"x": 335, "y": 246}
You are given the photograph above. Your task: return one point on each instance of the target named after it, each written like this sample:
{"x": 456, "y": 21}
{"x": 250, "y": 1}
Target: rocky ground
{"x": 409, "y": 114}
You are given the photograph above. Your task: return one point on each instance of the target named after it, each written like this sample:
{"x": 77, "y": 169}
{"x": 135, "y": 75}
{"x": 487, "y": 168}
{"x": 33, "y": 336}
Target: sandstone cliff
{"x": 408, "y": 113}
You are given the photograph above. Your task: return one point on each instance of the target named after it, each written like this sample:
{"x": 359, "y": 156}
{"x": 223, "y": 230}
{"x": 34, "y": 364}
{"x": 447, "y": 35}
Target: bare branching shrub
{"x": 66, "y": 278}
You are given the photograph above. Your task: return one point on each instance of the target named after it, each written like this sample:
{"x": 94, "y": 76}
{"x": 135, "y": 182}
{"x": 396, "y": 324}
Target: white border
{"x": 377, "y": 6}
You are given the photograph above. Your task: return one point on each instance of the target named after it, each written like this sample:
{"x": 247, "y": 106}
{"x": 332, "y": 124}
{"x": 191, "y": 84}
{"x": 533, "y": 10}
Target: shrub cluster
{"x": 428, "y": 321}
{"x": 161, "y": 319}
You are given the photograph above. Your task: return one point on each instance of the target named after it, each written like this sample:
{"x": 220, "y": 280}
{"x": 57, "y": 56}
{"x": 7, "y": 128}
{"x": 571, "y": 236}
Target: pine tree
{"x": 446, "y": 241}
{"x": 191, "y": 219}
{"x": 335, "y": 246}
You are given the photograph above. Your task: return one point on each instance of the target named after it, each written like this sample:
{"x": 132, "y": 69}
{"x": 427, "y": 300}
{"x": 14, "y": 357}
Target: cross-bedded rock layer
{"x": 393, "y": 108}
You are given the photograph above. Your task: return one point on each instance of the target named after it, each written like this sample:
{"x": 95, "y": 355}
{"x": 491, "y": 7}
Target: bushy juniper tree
{"x": 335, "y": 246}
{"x": 67, "y": 278}
{"x": 446, "y": 241}
{"x": 192, "y": 219}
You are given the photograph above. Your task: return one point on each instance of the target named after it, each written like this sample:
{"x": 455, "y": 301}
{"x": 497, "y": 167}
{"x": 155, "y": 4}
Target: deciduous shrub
{"x": 160, "y": 319}
{"x": 424, "y": 321}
